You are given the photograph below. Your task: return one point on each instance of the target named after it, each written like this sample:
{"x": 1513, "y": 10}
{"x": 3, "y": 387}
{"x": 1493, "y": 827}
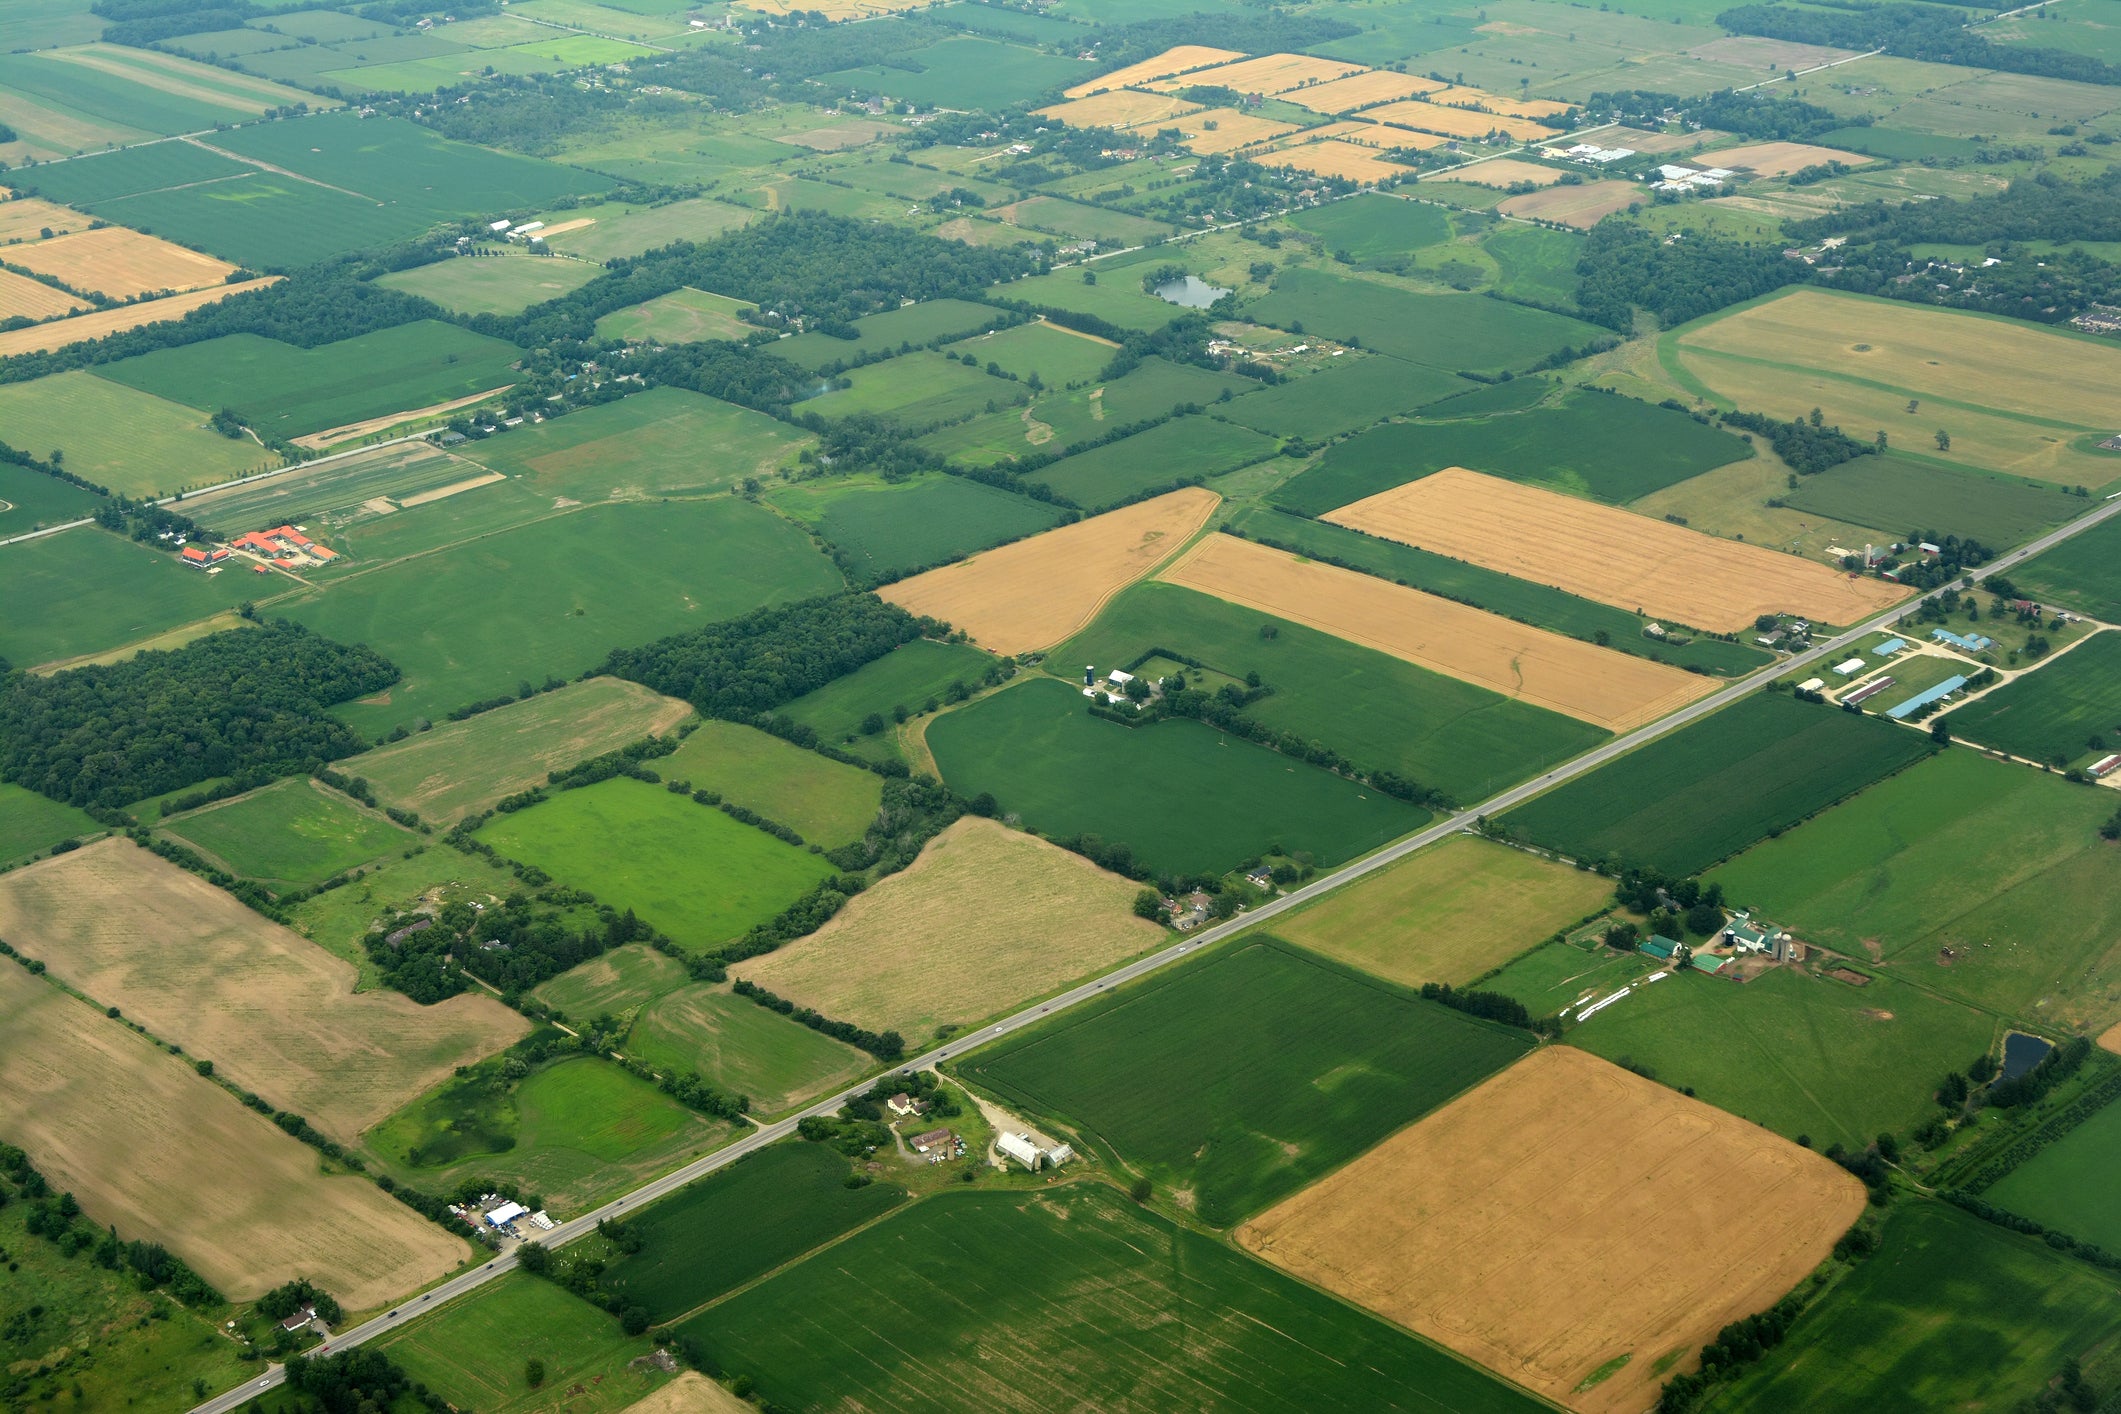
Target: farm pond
{"x": 1192, "y": 292}
{"x": 2022, "y": 1052}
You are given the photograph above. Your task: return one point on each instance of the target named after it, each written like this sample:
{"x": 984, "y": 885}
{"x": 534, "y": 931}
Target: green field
{"x": 1949, "y": 1313}
{"x": 1608, "y": 448}
{"x": 906, "y": 677}
{"x": 627, "y": 231}
{"x": 622, "y": 980}
{"x": 1183, "y": 449}
{"x": 1800, "y": 1054}
{"x": 29, "y": 822}
{"x": 1977, "y": 878}
{"x": 1077, "y": 1294}
{"x": 966, "y": 73}
{"x": 1373, "y": 227}
{"x": 473, "y": 1351}
{"x": 885, "y": 531}
{"x": 914, "y": 326}
{"x": 2088, "y": 27}
{"x": 574, "y": 1132}
{"x": 1560, "y": 974}
{"x": 1492, "y": 590}
{"x": 656, "y": 443}
{"x": 88, "y": 591}
{"x": 2082, "y": 573}
{"x": 1193, "y": 799}
{"x": 915, "y": 390}
{"x": 2064, "y": 711}
{"x": 129, "y": 441}
{"x": 2068, "y": 1185}
{"x": 685, "y": 868}
{"x": 290, "y": 835}
{"x": 171, "y": 106}
{"x": 743, "y": 1047}
{"x": 258, "y": 220}
{"x": 556, "y": 596}
{"x": 822, "y": 800}
{"x": 1898, "y": 496}
{"x": 1350, "y": 394}
{"x": 1114, "y": 297}
{"x": 1237, "y": 1079}
{"x": 129, "y": 171}
{"x": 767, "y": 1209}
{"x": 283, "y": 391}
{"x": 500, "y": 285}
{"x": 1708, "y": 790}
{"x": 680, "y": 317}
{"x": 1060, "y": 358}
{"x": 1537, "y": 263}
{"x": 30, "y": 500}
{"x": 1377, "y": 710}
{"x": 1076, "y": 221}
{"x": 1457, "y": 333}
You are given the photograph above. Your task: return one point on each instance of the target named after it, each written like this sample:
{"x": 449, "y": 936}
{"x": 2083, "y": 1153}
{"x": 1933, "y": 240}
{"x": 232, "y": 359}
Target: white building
{"x": 1851, "y": 666}
{"x": 498, "y": 226}
{"x": 1020, "y": 1147}
{"x": 1057, "y": 1155}
{"x": 507, "y": 1213}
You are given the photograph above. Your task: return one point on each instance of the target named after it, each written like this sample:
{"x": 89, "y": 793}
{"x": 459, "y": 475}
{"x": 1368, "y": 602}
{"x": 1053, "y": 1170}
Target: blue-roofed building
{"x": 1923, "y": 699}
{"x": 1888, "y": 648}
{"x": 1658, "y": 947}
{"x": 1966, "y": 643}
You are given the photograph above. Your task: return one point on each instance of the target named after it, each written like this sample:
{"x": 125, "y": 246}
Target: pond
{"x": 1191, "y": 292}
{"x": 2022, "y": 1052}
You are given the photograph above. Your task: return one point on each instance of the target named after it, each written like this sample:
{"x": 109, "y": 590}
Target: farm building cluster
{"x": 500, "y": 1216}
{"x": 283, "y": 547}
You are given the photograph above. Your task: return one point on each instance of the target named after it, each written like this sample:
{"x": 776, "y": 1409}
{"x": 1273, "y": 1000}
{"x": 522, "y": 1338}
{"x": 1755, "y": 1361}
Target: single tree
{"x": 534, "y": 1372}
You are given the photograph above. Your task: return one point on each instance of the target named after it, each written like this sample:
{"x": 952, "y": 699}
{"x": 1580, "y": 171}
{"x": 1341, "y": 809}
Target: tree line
{"x": 1622, "y": 267}
{"x": 1753, "y": 115}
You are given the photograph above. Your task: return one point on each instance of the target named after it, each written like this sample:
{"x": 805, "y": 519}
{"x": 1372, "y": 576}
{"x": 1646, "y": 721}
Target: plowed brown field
{"x": 272, "y": 1010}
{"x": 1614, "y": 556}
{"x": 1612, "y": 690}
{"x": 119, "y": 263}
{"x": 1611, "y": 1217}
{"x": 1183, "y": 59}
{"x": 1036, "y": 592}
{"x": 168, "y": 1156}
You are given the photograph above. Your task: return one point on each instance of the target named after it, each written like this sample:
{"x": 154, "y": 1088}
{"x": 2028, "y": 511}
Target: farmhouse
{"x": 284, "y": 544}
{"x": 903, "y": 1105}
{"x": 302, "y": 1316}
{"x": 199, "y": 559}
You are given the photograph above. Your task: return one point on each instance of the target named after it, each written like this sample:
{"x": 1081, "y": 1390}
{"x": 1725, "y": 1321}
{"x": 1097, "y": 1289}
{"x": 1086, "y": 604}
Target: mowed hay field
{"x": 1450, "y": 913}
{"x": 986, "y": 917}
{"x": 1613, "y": 690}
{"x": 461, "y": 768}
{"x": 1780, "y": 159}
{"x": 1580, "y": 206}
{"x": 41, "y": 338}
{"x": 120, "y": 263}
{"x": 272, "y": 1010}
{"x": 1034, "y": 593}
{"x": 168, "y": 1156}
{"x": 292, "y": 834}
{"x": 132, "y": 442}
{"x": 1603, "y": 1207}
{"x": 827, "y": 802}
{"x": 1614, "y": 556}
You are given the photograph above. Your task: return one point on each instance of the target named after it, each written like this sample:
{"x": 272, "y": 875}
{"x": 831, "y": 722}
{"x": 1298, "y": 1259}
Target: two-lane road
{"x": 566, "y": 1232}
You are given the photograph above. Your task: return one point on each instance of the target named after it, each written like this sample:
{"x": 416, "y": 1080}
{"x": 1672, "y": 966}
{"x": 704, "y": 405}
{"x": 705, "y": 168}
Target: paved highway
{"x": 566, "y": 1232}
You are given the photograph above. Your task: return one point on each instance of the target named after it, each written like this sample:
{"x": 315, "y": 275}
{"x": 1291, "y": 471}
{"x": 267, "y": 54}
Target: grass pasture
{"x": 133, "y": 442}
{"x": 1451, "y": 913}
{"x": 1072, "y": 1289}
{"x": 1610, "y": 449}
{"x": 681, "y": 317}
{"x": 1976, "y": 878}
{"x": 88, "y": 591}
{"x": 967, "y": 73}
{"x": 1351, "y": 394}
{"x": 1185, "y": 449}
{"x": 743, "y": 1047}
{"x": 1372, "y": 227}
{"x": 985, "y": 918}
{"x": 1949, "y": 1313}
{"x": 1373, "y": 707}
{"x": 461, "y": 768}
{"x": 825, "y": 801}
{"x": 1897, "y": 495}
{"x": 471, "y": 1352}
{"x": 909, "y": 327}
{"x": 686, "y": 868}
{"x": 2062, "y": 1186}
{"x": 617, "y": 231}
{"x": 883, "y": 531}
{"x": 290, "y": 835}
{"x": 711, "y": 1237}
{"x": 273, "y": 1011}
{"x": 907, "y": 676}
{"x": 2082, "y": 573}
{"x": 167, "y": 1156}
{"x": 2055, "y": 712}
{"x": 625, "y": 979}
{"x": 30, "y": 500}
{"x": 1710, "y": 789}
{"x": 1557, "y": 976}
{"x": 30, "y": 823}
{"x": 1244, "y": 1108}
{"x": 1060, "y": 357}
{"x": 284, "y": 391}
{"x": 499, "y": 285}
{"x": 1198, "y": 801}
{"x": 659, "y": 442}
{"x": 1114, "y": 298}
{"x": 1452, "y": 332}
{"x": 916, "y": 390}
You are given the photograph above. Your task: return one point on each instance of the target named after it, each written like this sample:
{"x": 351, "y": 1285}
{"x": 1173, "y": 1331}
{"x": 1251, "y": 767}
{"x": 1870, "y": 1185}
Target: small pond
{"x": 1191, "y": 292}
{"x": 2022, "y": 1052}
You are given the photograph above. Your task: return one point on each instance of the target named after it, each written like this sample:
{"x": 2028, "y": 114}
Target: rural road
{"x": 566, "y": 1232}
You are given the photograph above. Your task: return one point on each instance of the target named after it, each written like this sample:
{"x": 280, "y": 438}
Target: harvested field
{"x": 691, "y": 1393}
{"x": 170, "y": 1157}
{"x": 1180, "y": 60}
{"x": 461, "y": 768}
{"x": 1333, "y": 158}
{"x": 1367, "y": 134}
{"x": 120, "y": 263}
{"x": 1361, "y": 90}
{"x": 1505, "y": 172}
{"x": 1036, "y": 592}
{"x": 835, "y": 10}
{"x": 1437, "y": 117}
{"x": 987, "y": 917}
{"x": 1216, "y": 130}
{"x": 1779, "y": 159}
{"x": 1120, "y": 108}
{"x": 1576, "y": 1181}
{"x": 42, "y": 338}
{"x": 1655, "y": 144}
{"x": 273, "y": 1011}
{"x": 1583, "y": 206}
{"x": 1611, "y": 555}
{"x": 1598, "y": 685}
{"x": 26, "y": 218}
{"x": 24, "y": 298}
{"x": 2110, "y": 1039}
{"x": 1269, "y": 74}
